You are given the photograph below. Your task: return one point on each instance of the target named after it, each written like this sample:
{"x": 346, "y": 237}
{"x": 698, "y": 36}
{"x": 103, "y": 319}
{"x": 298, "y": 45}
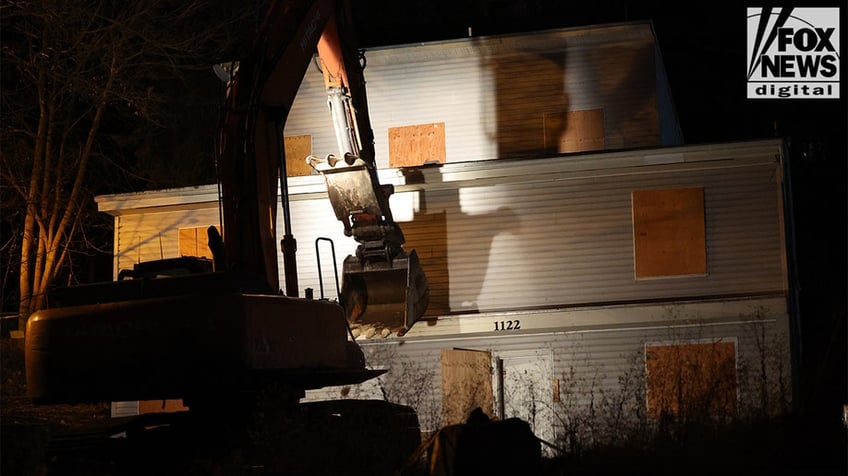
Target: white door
{"x": 528, "y": 391}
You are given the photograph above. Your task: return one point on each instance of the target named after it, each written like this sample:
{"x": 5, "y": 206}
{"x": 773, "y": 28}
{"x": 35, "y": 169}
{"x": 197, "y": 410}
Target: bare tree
{"x": 76, "y": 73}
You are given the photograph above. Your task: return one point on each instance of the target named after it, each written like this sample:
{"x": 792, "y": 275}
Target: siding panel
{"x": 597, "y": 370}
{"x": 492, "y": 92}
{"x": 155, "y": 235}
{"x": 535, "y": 233}
{"x": 522, "y": 244}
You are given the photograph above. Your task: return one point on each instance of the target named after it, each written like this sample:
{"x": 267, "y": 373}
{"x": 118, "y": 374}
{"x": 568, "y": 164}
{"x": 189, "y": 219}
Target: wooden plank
{"x": 161, "y": 406}
{"x": 410, "y": 146}
{"x": 466, "y": 384}
{"x": 195, "y": 241}
{"x": 691, "y": 379}
{"x": 297, "y": 149}
{"x": 574, "y": 131}
{"x": 188, "y": 242}
{"x": 669, "y": 232}
{"x": 427, "y": 234}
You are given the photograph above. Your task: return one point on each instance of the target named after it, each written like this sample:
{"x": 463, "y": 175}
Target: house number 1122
{"x": 507, "y": 325}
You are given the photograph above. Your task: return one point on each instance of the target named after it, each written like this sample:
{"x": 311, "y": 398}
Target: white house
{"x": 584, "y": 264}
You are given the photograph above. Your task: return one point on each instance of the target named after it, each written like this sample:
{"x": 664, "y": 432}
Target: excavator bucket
{"x": 385, "y": 295}
{"x": 382, "y": 289}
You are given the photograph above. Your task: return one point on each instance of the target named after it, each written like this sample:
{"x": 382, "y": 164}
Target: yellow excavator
{"x": 206, "y": 332}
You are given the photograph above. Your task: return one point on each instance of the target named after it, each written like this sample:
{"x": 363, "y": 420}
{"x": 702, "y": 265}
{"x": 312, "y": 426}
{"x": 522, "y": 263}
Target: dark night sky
{"x": 703, "y": 48}
{"x": 703, "y": 45}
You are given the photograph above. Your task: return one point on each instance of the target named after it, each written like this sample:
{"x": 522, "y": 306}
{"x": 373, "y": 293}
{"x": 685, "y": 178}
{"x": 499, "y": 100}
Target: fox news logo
{"x": 793, "y": 53}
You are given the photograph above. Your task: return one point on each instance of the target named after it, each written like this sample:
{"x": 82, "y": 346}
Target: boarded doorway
{"x": 466, "y": 384}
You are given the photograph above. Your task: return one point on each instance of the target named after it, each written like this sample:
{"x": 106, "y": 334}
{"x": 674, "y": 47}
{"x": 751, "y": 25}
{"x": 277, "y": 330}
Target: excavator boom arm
{"x": 252, "y": 157}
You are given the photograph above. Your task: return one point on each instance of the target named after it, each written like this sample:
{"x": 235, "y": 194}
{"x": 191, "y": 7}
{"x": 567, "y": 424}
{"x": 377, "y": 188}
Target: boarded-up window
{"x": 161, "y": 406}
{"x": 192, "y": 242}
{"x": 410, "y": 146}
{"x": 427, "y": 234}
{"x": 669, "y": 232}
{"x": 466, "y": 384}
{"x": 195, "y": 242}
{"x": 574, "y": 131}
{"x": 298, "y": 148}
{"x": 691, "y": 380}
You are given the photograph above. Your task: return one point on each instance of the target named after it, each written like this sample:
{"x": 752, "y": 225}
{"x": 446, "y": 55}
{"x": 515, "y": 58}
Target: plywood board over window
{"x": 297, "y": 148}
{"x": 195, "y": 241}
{"x": 574, "y": 131}
{"x": 161, "y": 406}
{"x": 691, "y": 380}
{"x": 427, "y": 234}
{"x": 669, "y": 233}
{"x": 410, "y": 146}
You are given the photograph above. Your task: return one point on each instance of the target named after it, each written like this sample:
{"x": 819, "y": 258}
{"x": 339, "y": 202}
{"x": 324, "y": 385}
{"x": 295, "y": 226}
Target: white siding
{"x": 543, "y": 233}
{"x": 155, "y": 235}
{"x": 533, "y": 237}
{"x": 492, "y": 92}
{"x": 597, "y": 369}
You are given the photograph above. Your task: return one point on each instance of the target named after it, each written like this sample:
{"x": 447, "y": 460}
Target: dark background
{"x": 703, "y": 46}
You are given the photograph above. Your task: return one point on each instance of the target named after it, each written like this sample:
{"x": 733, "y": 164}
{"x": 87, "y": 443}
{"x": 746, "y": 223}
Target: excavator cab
{"x": 383, "y": 285}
